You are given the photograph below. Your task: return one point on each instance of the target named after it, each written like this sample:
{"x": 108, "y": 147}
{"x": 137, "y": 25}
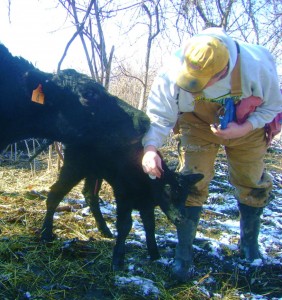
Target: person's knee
{"x": 255, "y": 193}
{"x": 256, "y": 197}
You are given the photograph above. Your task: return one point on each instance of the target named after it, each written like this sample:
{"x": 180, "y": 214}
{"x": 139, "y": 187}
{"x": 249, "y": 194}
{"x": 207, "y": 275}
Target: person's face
{"x": 217, "y": 77}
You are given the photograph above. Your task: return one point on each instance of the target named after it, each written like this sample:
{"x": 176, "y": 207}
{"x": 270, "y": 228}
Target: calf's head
{"x": 172, "y": 191}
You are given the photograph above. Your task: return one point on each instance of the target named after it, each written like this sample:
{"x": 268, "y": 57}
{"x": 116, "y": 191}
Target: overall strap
{"x": 236, "y": 85}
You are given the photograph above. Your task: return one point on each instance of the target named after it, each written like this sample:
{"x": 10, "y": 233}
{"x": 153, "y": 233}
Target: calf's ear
{"x": 190, "y": 179}
{"x": 34, "y": 77}
{"x": 185, "y": 186}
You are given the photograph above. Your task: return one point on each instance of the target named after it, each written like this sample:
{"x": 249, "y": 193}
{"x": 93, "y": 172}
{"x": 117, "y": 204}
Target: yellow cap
{"x": 204, "y": 57}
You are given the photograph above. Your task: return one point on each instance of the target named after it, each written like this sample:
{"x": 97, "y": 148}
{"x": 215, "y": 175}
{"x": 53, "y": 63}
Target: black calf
{"x": 133, "y": 189}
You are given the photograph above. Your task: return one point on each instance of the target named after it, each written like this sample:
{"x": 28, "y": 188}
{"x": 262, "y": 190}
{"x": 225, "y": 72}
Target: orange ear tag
{"x": 37, "y": 95}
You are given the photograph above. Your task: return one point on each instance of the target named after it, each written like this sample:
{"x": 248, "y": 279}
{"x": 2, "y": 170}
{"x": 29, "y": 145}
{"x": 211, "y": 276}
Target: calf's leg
{"x": 148, "y": 219}
{"x": 67, "y": 180}
{"x": 90, "y": 191}
{"x": 124, "y": 225}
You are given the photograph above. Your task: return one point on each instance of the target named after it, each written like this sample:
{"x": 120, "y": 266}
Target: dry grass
{"x": 77, "y": 265}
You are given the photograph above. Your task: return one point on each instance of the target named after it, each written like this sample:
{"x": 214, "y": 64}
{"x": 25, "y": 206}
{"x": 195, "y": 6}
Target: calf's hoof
{"x": 155, "y": 256}
{"x": 250, "y": 252}
{"x": 117, "y": 261}
{"x": 47, "y": 238}
{"x": 182, "y": 270}
{"x": 106, "y": 232}
{"x": 117, "y": 267}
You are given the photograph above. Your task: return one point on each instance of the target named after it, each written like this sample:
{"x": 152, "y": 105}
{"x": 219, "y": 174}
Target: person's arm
{"x": 162, "y": 109}
{"x": 233, "y": 130}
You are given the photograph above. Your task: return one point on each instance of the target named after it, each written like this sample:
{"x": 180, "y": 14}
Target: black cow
{"x": 71, "y": 113}
{"x": 133, "y": 189}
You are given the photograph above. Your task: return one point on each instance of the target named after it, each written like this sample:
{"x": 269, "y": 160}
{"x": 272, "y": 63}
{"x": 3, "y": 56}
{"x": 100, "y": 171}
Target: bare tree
{"x": 163, "y": 24}
{"x": 153, "y": 30}
{"x": 168, "y": 23}
{"x": 252, "y": 21}
{"x": 89, "y": 28}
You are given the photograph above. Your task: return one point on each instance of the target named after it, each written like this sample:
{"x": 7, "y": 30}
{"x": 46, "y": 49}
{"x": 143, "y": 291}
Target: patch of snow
{"x": 144, "y": 286}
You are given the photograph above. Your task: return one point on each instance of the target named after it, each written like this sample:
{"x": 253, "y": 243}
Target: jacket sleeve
{"x": 261, "y": 80}
{"x": 271, "y": 106}
{"x": 162, "y": 109}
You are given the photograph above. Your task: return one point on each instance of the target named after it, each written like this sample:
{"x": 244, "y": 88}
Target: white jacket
{"x": 258, "y": 75}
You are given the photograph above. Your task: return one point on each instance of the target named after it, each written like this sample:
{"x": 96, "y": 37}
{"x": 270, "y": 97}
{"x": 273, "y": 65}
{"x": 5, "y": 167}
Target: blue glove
{"x": 229, "y": 113}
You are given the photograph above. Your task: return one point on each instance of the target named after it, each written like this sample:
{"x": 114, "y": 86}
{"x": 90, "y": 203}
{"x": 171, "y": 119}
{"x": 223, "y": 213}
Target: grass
{"x": 77, "y": 265}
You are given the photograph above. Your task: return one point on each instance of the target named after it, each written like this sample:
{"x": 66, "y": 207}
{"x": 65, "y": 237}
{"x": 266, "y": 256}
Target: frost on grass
{"x": 138, "y": 285}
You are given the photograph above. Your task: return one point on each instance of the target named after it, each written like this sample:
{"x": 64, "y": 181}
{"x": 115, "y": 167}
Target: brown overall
{"x": 198, "y": 149}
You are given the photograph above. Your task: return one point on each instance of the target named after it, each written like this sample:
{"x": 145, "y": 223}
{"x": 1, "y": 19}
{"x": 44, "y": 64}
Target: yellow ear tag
{"x": 37, "y": 95}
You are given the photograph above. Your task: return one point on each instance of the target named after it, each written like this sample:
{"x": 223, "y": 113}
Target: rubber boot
{"x": 249, "y": 231}
{"x": 183, "y": 268}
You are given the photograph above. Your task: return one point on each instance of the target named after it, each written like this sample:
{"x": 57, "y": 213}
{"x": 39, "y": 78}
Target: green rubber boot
{"x": 183, "y": 268}
{"x": 249, "y": 231}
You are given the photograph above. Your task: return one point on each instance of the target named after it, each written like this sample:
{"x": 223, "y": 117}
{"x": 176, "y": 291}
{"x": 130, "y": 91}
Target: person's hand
{"x": 151, "y": 162}
{"x": 233, "y": 130}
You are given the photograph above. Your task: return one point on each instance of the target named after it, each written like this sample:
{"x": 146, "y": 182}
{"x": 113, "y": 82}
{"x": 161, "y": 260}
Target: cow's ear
{"x": 92, "y": 93}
